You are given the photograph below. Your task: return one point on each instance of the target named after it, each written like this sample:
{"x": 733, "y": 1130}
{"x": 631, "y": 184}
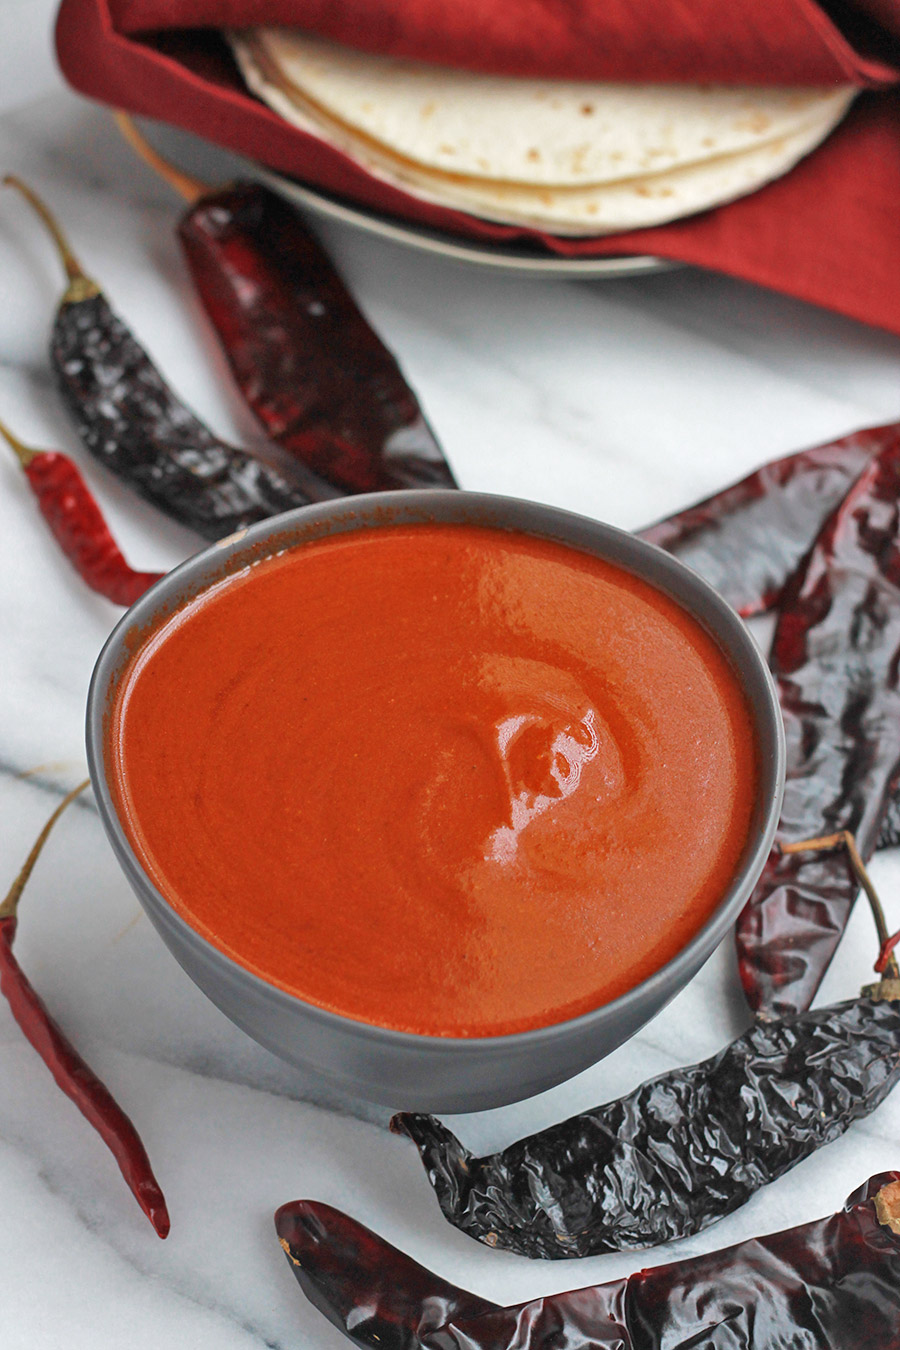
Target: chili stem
{"x": 845, "y": 839}
{"x": 11, "y": 902}
{"x": 24, "y": 453}
{"x": 81, "y": 286}
{"x": 188, "y": 187}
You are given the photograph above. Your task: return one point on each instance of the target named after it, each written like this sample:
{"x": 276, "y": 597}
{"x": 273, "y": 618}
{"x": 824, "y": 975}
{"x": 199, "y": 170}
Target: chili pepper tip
{"x": 11, "y": 902}
{"x": 24, "y": 453}
{"x": 188, "y": 187}
{"x": 158, "y": 1215}
{"x": 81, "y": 286}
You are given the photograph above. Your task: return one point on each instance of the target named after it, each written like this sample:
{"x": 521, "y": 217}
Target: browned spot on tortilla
{"x": 756, "y": 123}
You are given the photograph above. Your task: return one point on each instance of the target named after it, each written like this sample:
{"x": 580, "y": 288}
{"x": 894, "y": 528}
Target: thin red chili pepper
{"x": 76, "y": 1079}
{"x": 70, "y": 509}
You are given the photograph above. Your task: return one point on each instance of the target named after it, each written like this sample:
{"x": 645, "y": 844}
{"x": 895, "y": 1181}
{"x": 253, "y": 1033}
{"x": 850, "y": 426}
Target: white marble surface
{"x": 623, "y": 400}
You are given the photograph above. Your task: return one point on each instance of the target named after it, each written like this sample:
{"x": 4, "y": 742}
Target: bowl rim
{"x": 506, "y": 513}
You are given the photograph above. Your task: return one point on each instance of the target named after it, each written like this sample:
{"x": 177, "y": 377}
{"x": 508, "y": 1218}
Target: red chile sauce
{"x": 440, "y": 778}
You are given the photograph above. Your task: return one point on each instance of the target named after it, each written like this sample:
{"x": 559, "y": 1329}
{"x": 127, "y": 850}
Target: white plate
{"x": 501, "y": 257}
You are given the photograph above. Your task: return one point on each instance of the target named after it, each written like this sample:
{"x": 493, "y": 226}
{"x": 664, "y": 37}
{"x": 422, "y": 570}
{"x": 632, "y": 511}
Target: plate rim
{"x": 493, "y": 257}
{"x": 428, "y": 240}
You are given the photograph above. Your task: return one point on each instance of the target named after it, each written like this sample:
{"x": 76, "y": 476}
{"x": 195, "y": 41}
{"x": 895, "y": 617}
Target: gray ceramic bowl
{"x": 430, "y": 1072}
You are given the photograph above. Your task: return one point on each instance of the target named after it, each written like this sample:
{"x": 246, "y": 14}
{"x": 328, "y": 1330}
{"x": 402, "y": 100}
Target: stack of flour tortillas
{"x": 569, "y": 158}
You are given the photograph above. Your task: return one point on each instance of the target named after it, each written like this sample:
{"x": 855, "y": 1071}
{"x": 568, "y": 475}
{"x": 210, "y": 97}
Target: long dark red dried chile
{"x": 828, "y": 1285}
{"x": 835, "y": 657}
{"x": 748, "y": 539}
{"x": 356, "y": 1279}
{"x": 320, "y": 380}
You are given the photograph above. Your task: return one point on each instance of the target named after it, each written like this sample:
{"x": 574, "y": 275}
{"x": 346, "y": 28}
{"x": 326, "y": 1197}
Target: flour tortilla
{"x": 527, "y": 152}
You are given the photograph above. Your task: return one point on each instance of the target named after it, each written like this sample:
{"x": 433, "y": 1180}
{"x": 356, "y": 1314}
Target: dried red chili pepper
{"x": 76, "y": 1079}
{"x": 315, "y": 373}
{"x": 835, "y": 656}
{"x": 707, "y": 1137}
{"x": 70, "y": 509}
{"x": 318, "y": 377}
{"x": 748, "y": 539}
{"x": 827, "y": 1285}
{"x": 131, "y": 421}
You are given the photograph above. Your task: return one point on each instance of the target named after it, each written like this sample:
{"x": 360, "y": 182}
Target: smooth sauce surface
{"x": 440, "y": 778}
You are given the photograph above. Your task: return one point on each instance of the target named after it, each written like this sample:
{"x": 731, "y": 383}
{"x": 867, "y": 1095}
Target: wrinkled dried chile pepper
{"x": 130, "y": 419}
{"x": 743, "y": 540}
{"x": 828, "y": 1285}
{"x": 835, "y": 657}
{"x": 317, "y": 376}
{"x": 356, "y": 1279}
{"x": 748, "y": 539}
{"x": 70, "y": 509}
{"x": 320, "y": 380}
{"x": 72, "y": 1074}
{"x": 688, "y": 1147}
{"x": 678, "y": 1153}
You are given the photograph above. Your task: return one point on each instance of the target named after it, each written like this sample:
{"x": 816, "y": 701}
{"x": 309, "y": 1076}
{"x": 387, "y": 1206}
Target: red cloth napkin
{"x": 828, "y": 232}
